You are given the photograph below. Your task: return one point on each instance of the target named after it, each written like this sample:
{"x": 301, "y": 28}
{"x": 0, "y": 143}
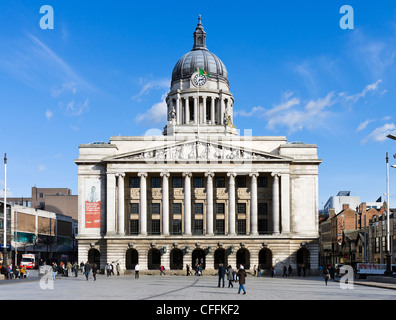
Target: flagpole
{"x": 198, "y": 108}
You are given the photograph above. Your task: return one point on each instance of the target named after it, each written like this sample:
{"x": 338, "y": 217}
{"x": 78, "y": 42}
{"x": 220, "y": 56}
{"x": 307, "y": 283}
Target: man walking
{"x": 137, "y": 271}
{"x": 221, "y": 274}
{"x": 87, "y": 269}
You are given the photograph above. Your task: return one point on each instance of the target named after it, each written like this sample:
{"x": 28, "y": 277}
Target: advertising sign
{"x": 92, "y": 204}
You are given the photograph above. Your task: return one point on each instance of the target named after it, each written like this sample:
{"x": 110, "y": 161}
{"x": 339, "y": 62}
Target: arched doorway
{"x": 243, "y": 258}
{"x": 303, "y": 258}
{"x": 94, "y": 257}
{"x": 154, "y": 259}
{"x": 265, "y": 258}
{"x": 176, "y": 259}
{"x": 131, "y": 259}
{"x": 198, "y": 256}
{"x": 220, "y": 256}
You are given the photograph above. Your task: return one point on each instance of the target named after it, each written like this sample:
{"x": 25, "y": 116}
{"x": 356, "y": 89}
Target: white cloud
{"x": 156, "y": 114}
{"x": 363, "y": 125}
{"x": 73, "y": 108}
{"x": 66, "y": 87}
{"x": 150, "y": 85}
{"x": 49, "y": 114}
{"x": 371, "y": 87}
{"x": 379, "y": 134}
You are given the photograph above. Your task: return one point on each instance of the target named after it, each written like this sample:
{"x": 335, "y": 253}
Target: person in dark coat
{"x": 242, "y": 279}
{"x": 221, "y": 274}
{"x": 94, "y": 271}
{"x": 230, "y": 276}
{"x": 87, "y": 269}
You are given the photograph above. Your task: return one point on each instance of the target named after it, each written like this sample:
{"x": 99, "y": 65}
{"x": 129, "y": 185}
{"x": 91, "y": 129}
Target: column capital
{"x": 209, "y": 174}
{"x": 254, "y": 174}
{"x": 120, "y": 174}
{"x": 165, "y": 174}
{"x": 187, "y": 174}
{"x": 231, "y": 174}
{"x": 276, "y": 174}
{"x": 142, "y": 174}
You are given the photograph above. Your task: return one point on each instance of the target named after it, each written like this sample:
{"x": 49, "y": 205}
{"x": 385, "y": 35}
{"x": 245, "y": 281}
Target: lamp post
{"x": 5, "y": 212}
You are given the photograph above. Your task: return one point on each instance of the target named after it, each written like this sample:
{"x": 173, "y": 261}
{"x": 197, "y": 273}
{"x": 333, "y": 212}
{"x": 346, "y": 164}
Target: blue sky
{"x": 106, "y": 66}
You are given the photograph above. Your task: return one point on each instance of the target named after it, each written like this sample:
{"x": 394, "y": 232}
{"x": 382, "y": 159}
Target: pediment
{"x": 197, "y": 150}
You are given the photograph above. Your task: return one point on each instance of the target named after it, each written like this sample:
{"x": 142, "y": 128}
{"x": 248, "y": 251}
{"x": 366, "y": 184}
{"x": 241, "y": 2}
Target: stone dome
{"x": 199, "y": 57}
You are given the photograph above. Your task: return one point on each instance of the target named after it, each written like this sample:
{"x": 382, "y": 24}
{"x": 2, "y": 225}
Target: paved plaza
{"x": 155, "y": 287}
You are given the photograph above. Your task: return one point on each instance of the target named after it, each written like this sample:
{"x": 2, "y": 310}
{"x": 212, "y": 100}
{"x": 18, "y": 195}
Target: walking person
{"x": 284, "y": 271}
{"x": 188, "y": 270}
{"x": 118, "y": 268}
{"x": 221, "y": 274}
{"x": 137, "y": 271}
{"x": 242, "y": 279}
{"x": 326, "y": 275}
{"x": 162, "y": 270}
{"x": 75, "y": 268}
{"x": 290, "y": 270}
{"x": 230, "y": 276}
{"x": 94, "y": 271}
{"x": 259, "y": 271}
{"x": 54, "y": 270}
{"x": 87, "y": 269}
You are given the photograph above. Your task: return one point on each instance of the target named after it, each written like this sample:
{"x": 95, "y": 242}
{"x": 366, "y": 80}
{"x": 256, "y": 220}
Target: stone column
{"x": 275, "y": 202}
{"x": 187, "y": 203}
{"x": 204, "y": 111}
{"x": 121, "y": 205}
{"x": 165, "y": 203}
{"x": 111, "y": 203}
{"x": 209, "y": 203}
{"x": 231, "y": 203}
{"x": 285, "y": 201}
{"x": 253, "y": 204}
{"x": 212, "y": 111}
{"x": 143, "y": 203}
{"x": 187, "y": 109}
{"x": 178, "y": 111}
{"x": 196, "y": 101}
{"x": 222, "y": 109}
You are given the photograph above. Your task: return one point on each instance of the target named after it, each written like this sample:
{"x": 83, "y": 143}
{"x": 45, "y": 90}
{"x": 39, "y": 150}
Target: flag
{"x": 203, "y": 72}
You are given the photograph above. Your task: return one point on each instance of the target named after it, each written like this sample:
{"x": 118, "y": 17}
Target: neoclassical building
{"x": 202, "y": 192}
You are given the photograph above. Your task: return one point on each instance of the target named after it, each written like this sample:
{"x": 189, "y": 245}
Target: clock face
{"x": 199, "y": 80}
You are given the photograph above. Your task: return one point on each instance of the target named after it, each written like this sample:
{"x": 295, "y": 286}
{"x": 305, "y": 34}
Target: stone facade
{"x": 200, "y": 193}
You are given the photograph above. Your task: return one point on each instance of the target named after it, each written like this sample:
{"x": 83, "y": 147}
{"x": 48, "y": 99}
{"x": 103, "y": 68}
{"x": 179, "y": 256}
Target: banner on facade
{"x": 92, "y": 204}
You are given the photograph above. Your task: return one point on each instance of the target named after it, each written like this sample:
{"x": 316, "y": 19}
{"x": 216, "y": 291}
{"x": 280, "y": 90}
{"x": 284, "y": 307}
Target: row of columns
{"x": 278, "y": 203}
{"x": 184, "y": 117}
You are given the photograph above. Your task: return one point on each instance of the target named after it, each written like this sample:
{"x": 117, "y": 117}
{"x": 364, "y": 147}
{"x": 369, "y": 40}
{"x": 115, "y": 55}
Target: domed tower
{"x": 199, "y": 101}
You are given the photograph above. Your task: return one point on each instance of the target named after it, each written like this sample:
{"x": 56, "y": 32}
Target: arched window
{"x": 176, "y": 259}
{"x": 131, "y": 259}
{"x": 154, "y": 259}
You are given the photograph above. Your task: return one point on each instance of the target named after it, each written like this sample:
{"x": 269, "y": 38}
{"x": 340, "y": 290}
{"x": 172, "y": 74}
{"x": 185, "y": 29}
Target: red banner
{"x": 92, "y": 214}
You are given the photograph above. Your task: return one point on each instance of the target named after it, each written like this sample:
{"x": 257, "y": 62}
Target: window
{"x": 155, "y": 182}
{"x": 262, "y": 182}
{"x": 262, "y": 226}
{"x": 134, "y": 208}
{"x": 155, "y": 226}
{"x": 241, "y": 182}
{"x": 241, "y": 208}
{"x": 219, "y": 226}
{"x": 134, "y": 182}
{"x": 177, "y": 208}
{"x": 241, "y": 226}
{"x": 134, "y": 227}
{"x": 198, "y": 208}
{"x": 177, "y": 182}
{"x": 198, "y": 226}
{"x": 220, "y": 182}
{"x": 219, "y": 208}
{"x": 155, "y": 208}
{"x": 41, "y": 195}
{"x": 262, "y": 208}
{"x": 198, "y": 182}
{"x": 176, "y": 227}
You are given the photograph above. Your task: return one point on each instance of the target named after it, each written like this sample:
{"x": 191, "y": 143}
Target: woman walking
{"x": 230, "y": 276}
{"x": 242, "y": 279}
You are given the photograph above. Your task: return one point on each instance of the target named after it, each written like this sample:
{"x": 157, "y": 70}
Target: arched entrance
{"x": 265, "y": 258}
{"x": 303, "y": 258}
{"x": 243, "y": 258}
{"x": 176, "y": 259}
{"x": 198, "y": 257}
{"x": 154, "y": 259}
{"x": 94, "y": 257}
{"x": 220, "y": 256}
{"x": 131, "y": 259}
